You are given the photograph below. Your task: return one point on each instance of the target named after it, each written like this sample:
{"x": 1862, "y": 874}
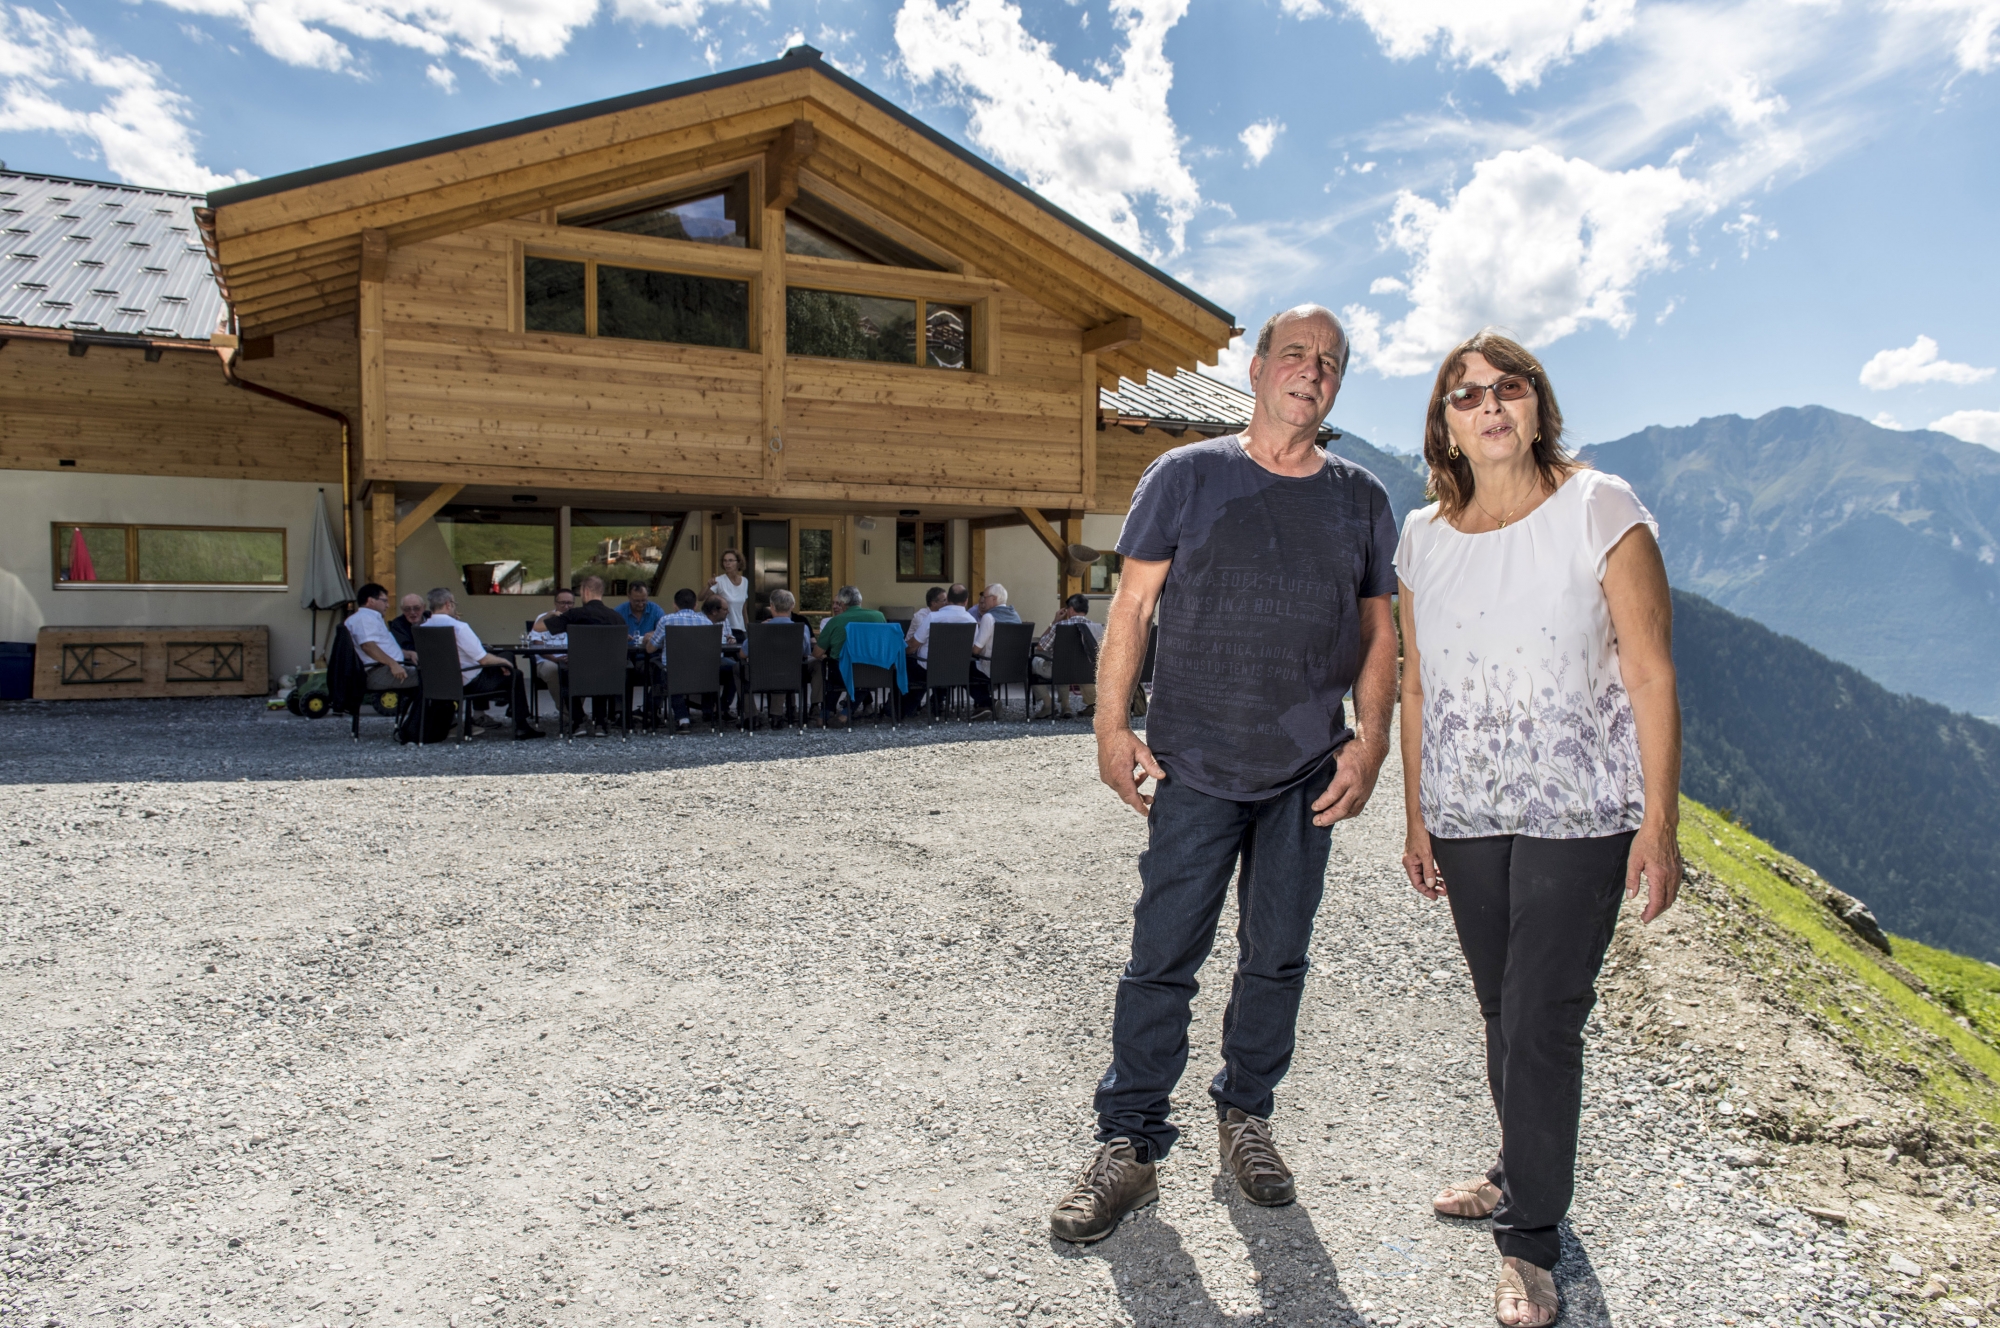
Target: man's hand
{"x": 1353, "y": 782}
{"x": 398, "y": 672}
{"x": 1122, "y": 761}
{"x": 1656, "y": 853}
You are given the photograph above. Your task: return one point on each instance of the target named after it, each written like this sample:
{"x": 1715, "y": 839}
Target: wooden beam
{"x": 407, "y": 526}
{"x": 374, "y": 255}
{"x": 1072, "y": 533}
{"x": 788, "y": 155}
{"x": 771, "y": 342}
{"x": 1087, "y": 428}
{"x": 1040, "y": 525}
{"x": 1120, "y": 332}
{"x": 382, "y": 535}
{"x": 976, "y": 537}
{"x": 374, "y": 378}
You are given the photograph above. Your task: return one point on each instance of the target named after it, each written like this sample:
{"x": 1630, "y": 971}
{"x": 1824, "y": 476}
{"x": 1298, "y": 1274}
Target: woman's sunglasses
{"x": 1468, "y": 396}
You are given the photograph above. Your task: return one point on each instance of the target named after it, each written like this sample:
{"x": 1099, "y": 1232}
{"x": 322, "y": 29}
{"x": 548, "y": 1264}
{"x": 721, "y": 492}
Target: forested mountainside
{"x": 1401, "y": 475}
{"x": 1893, "y": 798}
{"x": 1879, "y": 547}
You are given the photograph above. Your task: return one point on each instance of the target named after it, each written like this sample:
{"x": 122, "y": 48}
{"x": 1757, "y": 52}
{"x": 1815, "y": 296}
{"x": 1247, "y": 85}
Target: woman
{"x": 1545, "y": 774}
{"x": 734, "y": 589}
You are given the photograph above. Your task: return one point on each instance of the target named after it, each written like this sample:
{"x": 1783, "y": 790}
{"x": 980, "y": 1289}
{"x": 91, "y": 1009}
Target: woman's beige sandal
{"x": 1525, "y": 1296}
{"x": 1475, "y": 1198}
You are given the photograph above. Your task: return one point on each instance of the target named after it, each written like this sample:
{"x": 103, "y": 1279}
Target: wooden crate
{"x": 114, "y": 663}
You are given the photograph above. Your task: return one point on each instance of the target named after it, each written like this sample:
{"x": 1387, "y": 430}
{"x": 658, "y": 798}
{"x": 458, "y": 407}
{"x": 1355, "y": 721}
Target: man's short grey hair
{"x": 847, "y": 596}
{"x": 783, "y": 601}
{"x": 1266, "y": 332}
{"x": 998, "y": 592}
{"x": 441, "y": 597}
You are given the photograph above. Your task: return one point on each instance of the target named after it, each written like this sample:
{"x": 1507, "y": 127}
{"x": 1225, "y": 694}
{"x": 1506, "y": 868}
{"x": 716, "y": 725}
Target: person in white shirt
{"x": 1074, "y": 616}
{"x": 485, "y": 674}
{"x": 954, "y": 611}
{"x": 733, "y": 588}
{"x": 919, "y": 623}
{"x": 381, "y": 654}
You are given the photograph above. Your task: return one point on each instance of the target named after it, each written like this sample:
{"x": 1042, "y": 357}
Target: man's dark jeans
{"x": 1194, "y": 845}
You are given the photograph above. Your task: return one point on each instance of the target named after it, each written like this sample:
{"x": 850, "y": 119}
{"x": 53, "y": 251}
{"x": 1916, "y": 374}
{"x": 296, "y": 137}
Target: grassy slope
{"x": 1899, "y": 1036}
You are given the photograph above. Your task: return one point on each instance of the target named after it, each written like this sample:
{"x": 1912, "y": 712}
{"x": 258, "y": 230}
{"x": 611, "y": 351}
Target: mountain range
{"x": 1876, "y": 546}
{"x": 1892, "y": 798}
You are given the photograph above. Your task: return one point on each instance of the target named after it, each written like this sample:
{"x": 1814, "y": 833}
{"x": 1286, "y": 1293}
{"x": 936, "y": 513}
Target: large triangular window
{"x": 716, "y": 214}
{"x": 815, "y": 228}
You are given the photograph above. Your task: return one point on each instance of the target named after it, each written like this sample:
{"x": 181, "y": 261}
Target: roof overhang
{"x": 287, "y": 250}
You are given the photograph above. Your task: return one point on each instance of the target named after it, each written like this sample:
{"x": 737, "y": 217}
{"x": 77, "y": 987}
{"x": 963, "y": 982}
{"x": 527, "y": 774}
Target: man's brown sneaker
{"x": 1115, "y": 1183}
{"x": 1247, "y": 1151}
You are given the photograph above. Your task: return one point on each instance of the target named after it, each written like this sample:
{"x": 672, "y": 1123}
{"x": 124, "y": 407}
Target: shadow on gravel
{"x": 1160, "y": 1282}
{"x": 235, "y": 739}
{"x": 1582, "y": 1293}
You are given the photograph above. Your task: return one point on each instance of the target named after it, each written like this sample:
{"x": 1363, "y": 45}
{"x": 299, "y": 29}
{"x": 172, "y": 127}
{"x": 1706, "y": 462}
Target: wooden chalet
{"x": 764, "y": 310}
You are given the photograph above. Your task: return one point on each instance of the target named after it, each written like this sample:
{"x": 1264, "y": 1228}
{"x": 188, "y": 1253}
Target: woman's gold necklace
{"x": 1500, "y": 520}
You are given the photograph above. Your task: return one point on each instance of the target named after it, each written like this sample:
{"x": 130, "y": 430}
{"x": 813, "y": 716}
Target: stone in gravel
{"x": 1902, "y": 1267}
{"x": 1745, "y": 1157}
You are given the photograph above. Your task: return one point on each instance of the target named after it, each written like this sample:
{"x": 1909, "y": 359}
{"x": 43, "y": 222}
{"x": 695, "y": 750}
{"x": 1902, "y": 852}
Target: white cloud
{"x": 1884, "y": 420}
{"x": 1540, "y": 244}
{"x": 1973, "y": 27}
{"x": 1232, "y": 364}
{"x": 442, "y": 76}
{"x": 1245, "y": 265}
{"x": 1517, "y": 39}
{"x": 139, "y": 126}
{"x": 1974, "y": 426}
{"x": 1259, "y": 139}
{"x": 490, "y": 33}
{"x": 1096, "y": 146}
{"x": 1917, "y": 362}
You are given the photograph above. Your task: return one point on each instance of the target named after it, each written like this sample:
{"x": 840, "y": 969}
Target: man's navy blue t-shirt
{"x": 1260, "y": 618}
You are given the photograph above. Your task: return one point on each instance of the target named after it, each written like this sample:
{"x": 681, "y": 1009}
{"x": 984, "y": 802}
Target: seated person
{"x": 404, "y": 625}
{"x": 642, "y": 619}
{"x": 684, "y": 615}
{"x": 832, "y": 635}
{"x": 954, "y": 611}
{"x": 549, "y": 667}
{"x": 382, "y": 655}
{"x": 1074, "y": 615}
{"x": 913, "y": 642}
{"x": 485, "y": 674}
{"x": 716, "y": 609}
{"x": 781, "y": 606}
{"x": 590, "y": 611}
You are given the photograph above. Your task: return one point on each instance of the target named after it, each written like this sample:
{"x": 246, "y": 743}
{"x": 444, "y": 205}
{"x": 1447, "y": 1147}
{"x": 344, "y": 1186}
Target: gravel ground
{"x": 726, "y": 1030}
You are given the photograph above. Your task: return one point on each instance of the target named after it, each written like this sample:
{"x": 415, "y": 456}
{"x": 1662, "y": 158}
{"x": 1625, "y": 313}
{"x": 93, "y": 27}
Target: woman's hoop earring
{"x": 1452, "y": 451}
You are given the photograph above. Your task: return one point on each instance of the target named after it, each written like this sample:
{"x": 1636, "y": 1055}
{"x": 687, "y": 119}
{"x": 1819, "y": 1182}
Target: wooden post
{"x": 382, "y": 534}
{"x": 977, "y": 540}
{"x": 771, "y": 342}
{"x": 562, "y": 548}
{"x": 1087, "y": 432}
{"x": 1072, "y": 533}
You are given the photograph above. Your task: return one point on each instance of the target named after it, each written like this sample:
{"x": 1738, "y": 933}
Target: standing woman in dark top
{"x": 1541, "y": 761}
{"x": 1270, "y": 564}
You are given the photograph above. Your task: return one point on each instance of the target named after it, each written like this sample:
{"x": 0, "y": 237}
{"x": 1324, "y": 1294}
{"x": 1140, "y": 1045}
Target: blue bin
{"x": 17, "y": 670}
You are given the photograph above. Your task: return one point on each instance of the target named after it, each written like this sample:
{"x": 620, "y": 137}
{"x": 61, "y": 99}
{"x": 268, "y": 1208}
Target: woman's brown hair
{"x": 1451, "y": 480}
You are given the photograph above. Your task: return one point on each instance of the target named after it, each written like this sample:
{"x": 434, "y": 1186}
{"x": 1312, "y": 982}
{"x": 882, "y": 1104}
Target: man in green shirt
{"x": 832, "y": 635}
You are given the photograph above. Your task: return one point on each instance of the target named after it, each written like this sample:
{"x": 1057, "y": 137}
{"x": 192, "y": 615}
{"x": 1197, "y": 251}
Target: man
{"x": 912, "y": 643}
{"x": 782, "y": 603}
{"x": 832, "y": 636}
{"x": 716, "y": 609}
{"x": 642, "y": 618}
{"x": 590, "y": 611}
{"x": 381, "y": 654}
{"x": 549, "y": 667}
{"x": 993, "y": 609}
{"x": 954, "y": 611}
{"x": 1270, "y": 564}
{"x": 684, "y": 615}
{"x": 1073, "y": 616}
{"x": 486, "y": 675}
{"x": 404, "y": 625}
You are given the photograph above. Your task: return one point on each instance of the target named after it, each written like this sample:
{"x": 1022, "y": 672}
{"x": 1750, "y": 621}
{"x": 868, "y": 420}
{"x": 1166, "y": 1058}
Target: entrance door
{"x": 770, "y": 546}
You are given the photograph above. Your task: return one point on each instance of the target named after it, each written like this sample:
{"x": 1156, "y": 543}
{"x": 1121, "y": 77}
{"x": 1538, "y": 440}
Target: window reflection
{"x": 718, "y": 216}
{"x": 850, "y": 327}
{"x": 621, "y": 547}
{"x": 947, "y": 335}
{"x": 553, "y": 293}
{"x": 672, "y": 306}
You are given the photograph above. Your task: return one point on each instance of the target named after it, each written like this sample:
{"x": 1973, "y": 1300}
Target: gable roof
{"x": 86, "y": 256}
{"x": 287, "y": 249}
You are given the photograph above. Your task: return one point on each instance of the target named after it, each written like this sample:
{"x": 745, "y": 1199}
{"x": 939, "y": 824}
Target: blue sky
{"x": 1690, "y": 209}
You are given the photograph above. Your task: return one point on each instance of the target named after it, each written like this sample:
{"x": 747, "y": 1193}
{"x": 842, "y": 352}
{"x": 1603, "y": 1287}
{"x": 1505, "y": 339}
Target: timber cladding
{"x": 115, "y": 663}
{"x": 111, "y": 411}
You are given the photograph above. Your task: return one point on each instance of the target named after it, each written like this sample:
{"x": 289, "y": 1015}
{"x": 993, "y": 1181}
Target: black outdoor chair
{"x": 692, "y": 658}
{"x": 949, "y": 669}
{"x": 596, "y": 671}
{"x": 776, "y": 666}
{"x": 1072, "y": 660}
{"x": 1013, "y": 650}
{"x": 439, "y": 679}
{"x": 872, "y": 680}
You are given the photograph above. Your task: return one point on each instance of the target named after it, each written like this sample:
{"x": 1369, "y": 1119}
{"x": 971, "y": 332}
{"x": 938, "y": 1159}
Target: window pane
{"x": 802, "y": 237}
{"x": 212, "y": 557}
{"x": 671, "y": 306}
{"x": 104, "y": 553}
{"x": 934, "y": 548}
{"x": 906, "y": 550}
{"x": 713, "y": 218}
{"x": 947, "y": 335}
{"x": 501, "y": 552}
{"x": 553, "y": 294}
{"x": 850, "y": 327}
{"x": 815, "y": 569}
{"x": 1102, "y": 578}
{"x": 621, "y": 547}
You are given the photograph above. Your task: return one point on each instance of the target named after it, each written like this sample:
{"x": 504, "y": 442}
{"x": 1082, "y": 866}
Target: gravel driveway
{"x": 769, "y": 1030}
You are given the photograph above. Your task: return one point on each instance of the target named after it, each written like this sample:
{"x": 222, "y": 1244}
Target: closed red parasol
{"x": 80, "y": 568}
